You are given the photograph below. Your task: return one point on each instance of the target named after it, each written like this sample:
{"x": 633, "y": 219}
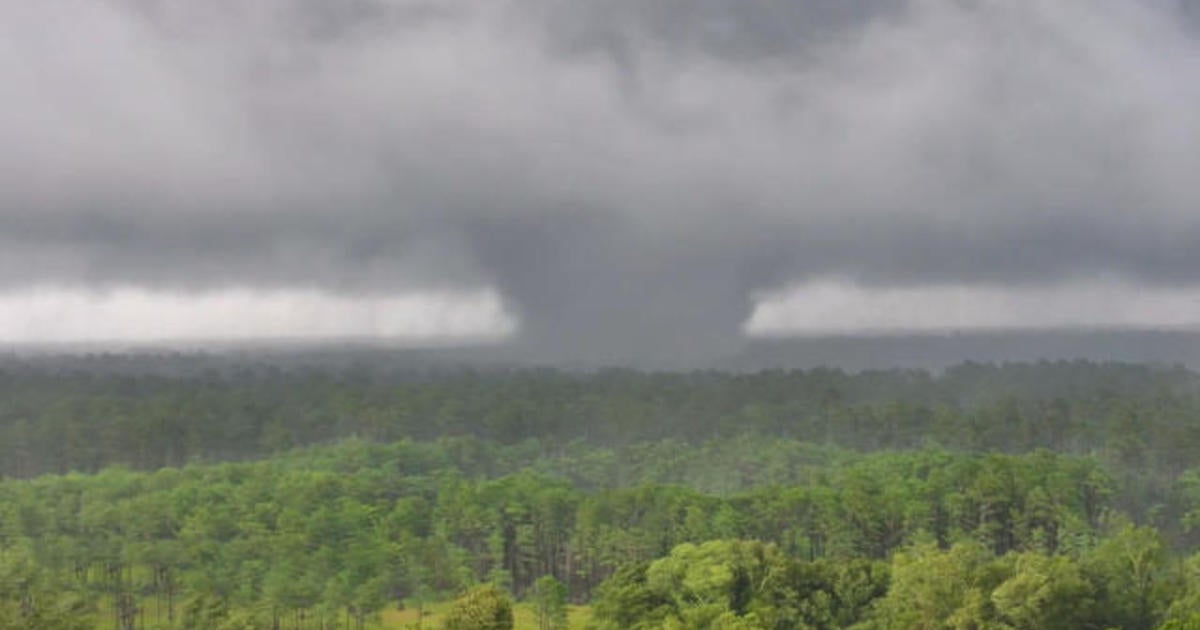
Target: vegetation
{"x": 482, "y": 608}
{"x": 550, "y": 601}
{"x": 1017, "y": 497}
{"x": 95, "y": 412}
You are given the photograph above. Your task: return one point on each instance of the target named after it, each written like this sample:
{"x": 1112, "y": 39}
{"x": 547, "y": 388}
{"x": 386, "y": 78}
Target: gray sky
{"x": 609, "y": 176}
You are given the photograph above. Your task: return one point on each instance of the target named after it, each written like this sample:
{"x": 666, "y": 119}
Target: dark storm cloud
{"x": 627, "y": 173}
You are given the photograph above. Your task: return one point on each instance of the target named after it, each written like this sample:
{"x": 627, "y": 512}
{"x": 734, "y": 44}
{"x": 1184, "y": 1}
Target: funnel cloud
{"x": 627, "y": 175}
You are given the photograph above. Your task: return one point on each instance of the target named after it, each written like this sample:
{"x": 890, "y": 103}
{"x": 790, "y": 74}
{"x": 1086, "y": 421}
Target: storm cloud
{"x": 627, "y": 174}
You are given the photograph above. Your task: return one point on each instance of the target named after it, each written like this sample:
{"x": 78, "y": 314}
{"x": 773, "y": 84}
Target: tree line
{"x": 1125, "y": 580}
{"x": 62, "y": 417}
{"x": 327, "y": 537}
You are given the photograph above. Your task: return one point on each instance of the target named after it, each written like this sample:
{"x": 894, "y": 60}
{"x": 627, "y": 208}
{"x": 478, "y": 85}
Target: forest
{"x": 165, "y": 493}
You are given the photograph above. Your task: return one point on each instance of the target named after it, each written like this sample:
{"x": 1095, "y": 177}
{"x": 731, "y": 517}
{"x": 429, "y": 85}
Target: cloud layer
{"x": 626, "y": 174}
{"x": 830, "y": 307}
{"x": 138, "y": 315}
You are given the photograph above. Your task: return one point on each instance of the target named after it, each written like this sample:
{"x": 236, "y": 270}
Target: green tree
{"x": 482, "y": 608}
{"x": 1045, "y": 592}
{"x": 1128, "y": 570}
{"x": 625, "y": 602}
{"x": 1191, "y": 622}
{"x": 933, "y": 589}
{"x": 550, "y": 603}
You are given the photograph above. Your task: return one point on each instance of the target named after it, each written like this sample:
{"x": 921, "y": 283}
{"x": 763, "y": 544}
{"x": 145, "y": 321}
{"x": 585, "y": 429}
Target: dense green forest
{"x": 83, "y": 415}
{"x": 1053, "y": 495}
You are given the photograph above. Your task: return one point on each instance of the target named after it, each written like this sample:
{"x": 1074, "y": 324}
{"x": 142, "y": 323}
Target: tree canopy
{"x": 1016, "y": 497}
